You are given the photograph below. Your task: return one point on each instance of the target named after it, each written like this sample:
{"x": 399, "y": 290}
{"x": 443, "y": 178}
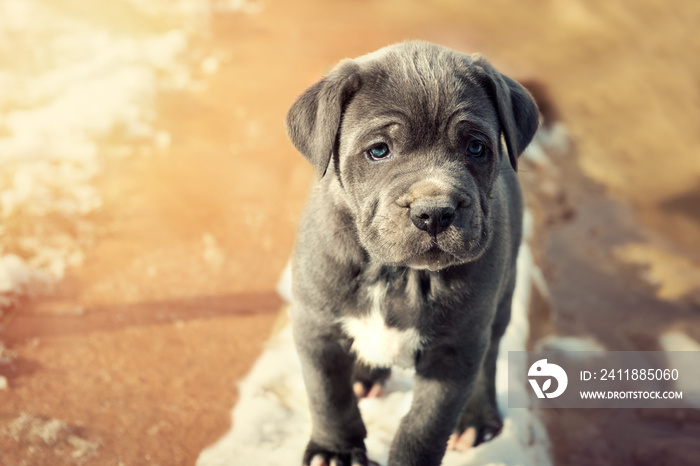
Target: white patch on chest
{"x": 375, "y": 343}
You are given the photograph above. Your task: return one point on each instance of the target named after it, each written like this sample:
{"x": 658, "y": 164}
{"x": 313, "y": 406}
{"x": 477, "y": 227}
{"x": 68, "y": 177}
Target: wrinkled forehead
{"x": 428, "y": 92}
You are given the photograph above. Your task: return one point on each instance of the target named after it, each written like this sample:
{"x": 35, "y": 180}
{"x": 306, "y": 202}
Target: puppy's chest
{"x": 376, "y": 339}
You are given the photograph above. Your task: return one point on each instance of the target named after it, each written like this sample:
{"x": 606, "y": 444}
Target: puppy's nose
{"x": 432, "y": 215}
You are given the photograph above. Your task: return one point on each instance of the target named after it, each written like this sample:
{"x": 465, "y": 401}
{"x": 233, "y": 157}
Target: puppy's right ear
{"x": 314, "y": 119}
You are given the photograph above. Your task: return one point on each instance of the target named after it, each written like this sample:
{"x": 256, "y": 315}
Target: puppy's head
{"x": 413, "y": 133}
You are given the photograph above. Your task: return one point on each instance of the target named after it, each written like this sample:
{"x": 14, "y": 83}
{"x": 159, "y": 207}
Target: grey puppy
{"x": 406, "y": 250}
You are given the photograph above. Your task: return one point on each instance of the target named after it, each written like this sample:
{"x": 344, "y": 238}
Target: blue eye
{"x": 379, "y": 151}
{"x": 476, "y": 148}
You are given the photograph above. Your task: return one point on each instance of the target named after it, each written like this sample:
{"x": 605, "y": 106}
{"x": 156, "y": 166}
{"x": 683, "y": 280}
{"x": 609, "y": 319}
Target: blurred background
{"x": 149, "y": 197}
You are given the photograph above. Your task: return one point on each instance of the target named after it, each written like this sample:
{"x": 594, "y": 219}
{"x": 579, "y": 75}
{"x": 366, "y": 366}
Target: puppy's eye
{"x": 379, "y": 151}
{"x": 476, "y": 148}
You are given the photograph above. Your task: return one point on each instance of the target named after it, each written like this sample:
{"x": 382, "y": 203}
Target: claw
{"x": 376, "y": 391}
{"x": 359, "y": 389}
{"x": 451, "y": 442}
{"x": 318, "y": 460}
{"x": 462, "y": 442}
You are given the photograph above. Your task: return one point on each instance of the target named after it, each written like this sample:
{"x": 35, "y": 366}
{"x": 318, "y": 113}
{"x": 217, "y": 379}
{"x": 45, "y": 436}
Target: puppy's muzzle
{"x": 432, "y": 215}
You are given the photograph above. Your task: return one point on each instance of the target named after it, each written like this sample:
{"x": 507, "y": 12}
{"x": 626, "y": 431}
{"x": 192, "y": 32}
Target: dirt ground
{"x": 135, "y": 357}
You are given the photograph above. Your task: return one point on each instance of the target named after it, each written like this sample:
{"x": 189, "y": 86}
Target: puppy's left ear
{"x": 314, "y": 119}
{"x": 517, "y": 110}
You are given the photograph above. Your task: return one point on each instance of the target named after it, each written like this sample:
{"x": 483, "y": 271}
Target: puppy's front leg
{"x": 444, "y": 380}
{"x": 338, "y": 432}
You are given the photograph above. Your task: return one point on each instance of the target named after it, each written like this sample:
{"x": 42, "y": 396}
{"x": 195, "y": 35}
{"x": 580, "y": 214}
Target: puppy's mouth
{"x": 431, "y": 256}
{"x": 447, "y": 249}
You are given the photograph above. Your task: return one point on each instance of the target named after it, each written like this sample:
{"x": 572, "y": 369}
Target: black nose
{"x": 433, "y": 216}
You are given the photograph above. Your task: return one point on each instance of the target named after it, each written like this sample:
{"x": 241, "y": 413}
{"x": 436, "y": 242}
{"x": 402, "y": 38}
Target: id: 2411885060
{"x": 631, "y": 374}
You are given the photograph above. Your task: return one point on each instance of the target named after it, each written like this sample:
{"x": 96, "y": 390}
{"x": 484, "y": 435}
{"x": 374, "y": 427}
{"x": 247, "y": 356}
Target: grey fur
{"x": 454, "y": 287}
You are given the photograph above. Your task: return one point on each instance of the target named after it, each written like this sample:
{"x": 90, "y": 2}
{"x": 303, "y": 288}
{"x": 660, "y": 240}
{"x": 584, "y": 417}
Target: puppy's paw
{"x": 374, "y": 391}
{"x": 479, "y": 423}
{"x": 315, "y": 455}
{"x": 369, "y": 381}
{"x": 472, "y": 436}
